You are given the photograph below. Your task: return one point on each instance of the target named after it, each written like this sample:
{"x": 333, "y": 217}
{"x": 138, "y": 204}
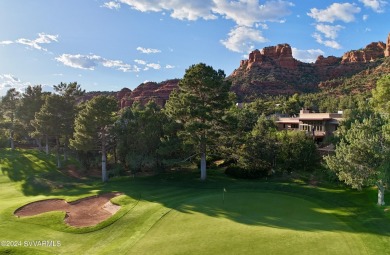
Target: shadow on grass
{"x": 38, "y": 173}
{"x": 259, "y": 203}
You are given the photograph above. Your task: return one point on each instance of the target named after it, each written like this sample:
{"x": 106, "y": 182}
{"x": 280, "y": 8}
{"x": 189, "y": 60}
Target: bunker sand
{"x": 80, "y": 213}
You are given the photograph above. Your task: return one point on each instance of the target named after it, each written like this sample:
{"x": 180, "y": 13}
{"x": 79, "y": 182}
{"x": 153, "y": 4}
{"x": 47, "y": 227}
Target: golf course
{"x": 176, "y": 213}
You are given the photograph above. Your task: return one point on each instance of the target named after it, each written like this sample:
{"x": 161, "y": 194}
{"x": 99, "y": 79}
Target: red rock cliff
{"x": 387, "y": 50}
{"x": 372, "y": 52}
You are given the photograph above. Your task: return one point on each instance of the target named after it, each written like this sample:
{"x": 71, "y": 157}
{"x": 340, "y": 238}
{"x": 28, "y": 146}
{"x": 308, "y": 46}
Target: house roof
{"x": 288, "y": 121}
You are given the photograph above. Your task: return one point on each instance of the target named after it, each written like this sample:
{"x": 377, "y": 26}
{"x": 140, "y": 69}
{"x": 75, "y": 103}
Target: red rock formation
{"x": 328, "y": 61}
{"x": 280, "y": 55}
{"x": 158, "y": 92}
{"x": 372, "y": 52}
{"x": 274, "y": 71}
{"x": 122, "y": 93}
{"x": 387, "y": 50}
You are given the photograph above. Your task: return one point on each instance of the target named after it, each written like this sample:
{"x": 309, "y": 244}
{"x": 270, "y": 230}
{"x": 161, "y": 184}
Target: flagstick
{"x": 223, "y": 196}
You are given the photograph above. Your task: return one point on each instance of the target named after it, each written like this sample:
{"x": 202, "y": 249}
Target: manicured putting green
{"x": 251, "y": 223}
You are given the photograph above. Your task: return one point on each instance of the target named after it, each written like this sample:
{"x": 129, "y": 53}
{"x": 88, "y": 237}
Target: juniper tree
{"x": 362, "y": 156}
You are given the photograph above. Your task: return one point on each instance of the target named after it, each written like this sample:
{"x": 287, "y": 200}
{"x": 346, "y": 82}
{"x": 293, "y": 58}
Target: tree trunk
{"x": 65, "y": 149}
{"x": 58, "y": 152}
{"x": 12, "y": 133}
{"x": 39, "y": 143}
{"x": 203, "y": 171}
{"x": 47, "y": 144}
{"x": 381, "y": 193}
{"x": 104, "y": 157}
{"x": 12, "y": 141}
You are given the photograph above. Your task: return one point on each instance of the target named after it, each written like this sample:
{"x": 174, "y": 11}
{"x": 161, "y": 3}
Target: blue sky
{"x": 108, "y": 45}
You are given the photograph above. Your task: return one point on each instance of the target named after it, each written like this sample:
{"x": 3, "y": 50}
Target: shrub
{"x": 238, "y": 172}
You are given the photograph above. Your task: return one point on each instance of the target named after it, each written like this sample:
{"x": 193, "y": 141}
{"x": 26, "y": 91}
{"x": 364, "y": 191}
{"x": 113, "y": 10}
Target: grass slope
{"x": 178, "y": 214}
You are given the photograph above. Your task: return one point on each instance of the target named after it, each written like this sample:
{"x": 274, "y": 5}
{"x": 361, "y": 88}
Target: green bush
{"x": 241, "y": 173}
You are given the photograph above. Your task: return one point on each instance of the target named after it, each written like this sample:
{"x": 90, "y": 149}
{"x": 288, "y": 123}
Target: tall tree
{"x": 30, "y": 103}
{"x": 70, "y": 92}
{"x": 92, "y": 126}
{"x": 50, "y": 121}
{"x": 362, "y": 156}
{"x": 258, "y": 153}
{"x": 138, "y": 131}
{"x": 199, "y": 104}
{"x": 9, "y": 105}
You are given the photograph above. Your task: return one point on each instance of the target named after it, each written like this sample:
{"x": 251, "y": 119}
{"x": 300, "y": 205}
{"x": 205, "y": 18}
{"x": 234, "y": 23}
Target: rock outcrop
{"x": 387, "y": 50}
{"x": 150, "y": 91}
{"x": 372, "y": 52}
{"x": 280, "y": 55}
{"x": 328, "y": 61}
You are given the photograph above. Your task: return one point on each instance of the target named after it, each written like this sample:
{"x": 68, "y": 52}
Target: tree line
{"x": 201, "y": 122}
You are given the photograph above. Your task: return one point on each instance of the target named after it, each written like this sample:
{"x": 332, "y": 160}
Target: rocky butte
{"x": 274, "y": 71}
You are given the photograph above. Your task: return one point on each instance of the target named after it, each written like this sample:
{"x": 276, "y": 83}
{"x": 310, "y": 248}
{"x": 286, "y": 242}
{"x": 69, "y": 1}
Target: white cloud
{"x": 119, "y": 65}
{"x": 154, "y": 66}
{"x": 308, "y": 56}
{"x": 89, "y": 62}
{"x": 329, "y": 31}
{"x": 112, "y": 5}
{"x": 148, "y": 50}
{"x": 329, "y": 43}
{"x": 36, "y": 43}
{"x": 248, "y": 12}
{"x": 244, "y": 13}
{"x": 365, "y": 17}
{"x": 8, "y": 81}
{"x": 262, "y": 26}
{"x": 375, "y": 5}
{"x": 179, "y": 9}
{"x": 336, "y": 11}
{"x": 242, "y": 39}
{"x": 6, "y": 42}
{"x": 139, "y": 61}
{"x": 10, "y": 78}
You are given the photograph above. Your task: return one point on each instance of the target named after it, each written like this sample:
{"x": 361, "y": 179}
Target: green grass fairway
{"x": 250, "y": 223}
{"x": 176, "y": 213}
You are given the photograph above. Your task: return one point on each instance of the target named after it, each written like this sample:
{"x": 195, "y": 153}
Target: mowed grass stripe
{"x": 250, "y": 223}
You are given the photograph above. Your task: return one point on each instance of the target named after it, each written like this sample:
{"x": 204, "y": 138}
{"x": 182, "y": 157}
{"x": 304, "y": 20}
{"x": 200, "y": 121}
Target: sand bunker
{"x": 81, "y": 213}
